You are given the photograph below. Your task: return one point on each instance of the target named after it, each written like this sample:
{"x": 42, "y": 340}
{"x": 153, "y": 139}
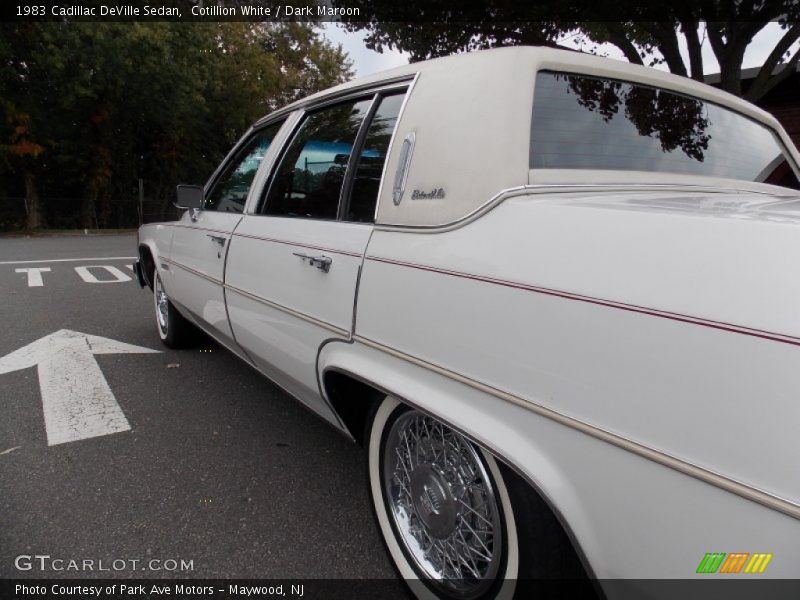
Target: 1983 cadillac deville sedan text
{"x": 557, "y": 297}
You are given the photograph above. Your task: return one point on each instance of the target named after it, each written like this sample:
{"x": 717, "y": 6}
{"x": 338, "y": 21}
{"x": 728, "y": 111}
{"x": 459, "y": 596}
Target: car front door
{"x": 201, "y": 238}
{"x": 294, "y": 261}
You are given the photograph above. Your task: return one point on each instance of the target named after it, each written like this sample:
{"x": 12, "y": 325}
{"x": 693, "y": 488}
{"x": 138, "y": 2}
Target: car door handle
{"x": 322, "y": 262}
{"x": 218, "y": 239}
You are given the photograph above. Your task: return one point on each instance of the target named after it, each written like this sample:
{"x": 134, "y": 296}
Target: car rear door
{"x": 294, "y": 262}
{"x": 201, "y": 238}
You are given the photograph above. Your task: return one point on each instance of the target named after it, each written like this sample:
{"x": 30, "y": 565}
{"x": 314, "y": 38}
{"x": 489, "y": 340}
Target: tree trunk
{"x": 33, "y": 209}
{"x": 89, "y": 208}
{"x": 86, "y": 211}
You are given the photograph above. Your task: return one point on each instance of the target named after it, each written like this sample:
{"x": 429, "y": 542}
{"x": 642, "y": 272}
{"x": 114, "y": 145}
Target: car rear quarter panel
{"x": 582, "y": 311}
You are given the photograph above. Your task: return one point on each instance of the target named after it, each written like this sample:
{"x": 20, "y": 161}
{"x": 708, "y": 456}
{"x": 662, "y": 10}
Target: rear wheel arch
{"x": 353, "y": 400}
{"x": 356, "y": 400}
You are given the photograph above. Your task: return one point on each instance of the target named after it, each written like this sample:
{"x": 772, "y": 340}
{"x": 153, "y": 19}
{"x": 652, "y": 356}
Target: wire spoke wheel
{"x": 443, "y": 505}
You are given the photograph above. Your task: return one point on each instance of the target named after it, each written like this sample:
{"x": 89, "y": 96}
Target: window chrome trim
{"x": 346, "y": 191}
{"x": 341, "y": 95}
{"x": 400, "y": 114}
{"x": 265, "y": 168}
{"x": 302, "y": 116}
{"x": 252, "y": 131}
{"x": 224, "y": 162}
{"x": 377, "y": 94}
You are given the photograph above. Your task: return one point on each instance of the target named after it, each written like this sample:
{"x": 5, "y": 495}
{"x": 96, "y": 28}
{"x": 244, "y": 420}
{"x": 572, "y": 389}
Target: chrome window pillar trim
{"x": 224, "y": 162}
{"x": 341, "y": 95}
{"x": 268, "y": 162}
{"x": 708, "y": 476}
{"x": 392, "y": 139}
{"x": 246, "y": 136}
{"x": 263, "y": 178}
{"x": 346, "y": 191}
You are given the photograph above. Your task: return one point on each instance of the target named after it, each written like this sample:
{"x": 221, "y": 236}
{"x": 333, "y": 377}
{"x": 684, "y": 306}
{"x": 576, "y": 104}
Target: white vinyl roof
{"x": 471, "y": 116}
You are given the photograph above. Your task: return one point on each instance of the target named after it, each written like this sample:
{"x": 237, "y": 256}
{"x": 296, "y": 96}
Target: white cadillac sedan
{"x": 556, "y": 297}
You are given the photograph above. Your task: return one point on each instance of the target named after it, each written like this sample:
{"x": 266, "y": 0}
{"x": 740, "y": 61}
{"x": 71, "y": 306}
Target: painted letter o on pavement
{"x": 88, "y": 277}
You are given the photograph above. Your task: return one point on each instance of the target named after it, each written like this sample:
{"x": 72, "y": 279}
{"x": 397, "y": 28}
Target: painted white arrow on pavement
{"x": 76, "y": 399}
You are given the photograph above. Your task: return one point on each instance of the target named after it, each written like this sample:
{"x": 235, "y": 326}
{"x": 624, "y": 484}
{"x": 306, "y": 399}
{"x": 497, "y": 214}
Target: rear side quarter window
{"x": 583, "y": 122}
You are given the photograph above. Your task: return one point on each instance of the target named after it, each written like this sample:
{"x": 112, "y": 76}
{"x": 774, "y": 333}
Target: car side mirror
{"x": 189, "y": 197}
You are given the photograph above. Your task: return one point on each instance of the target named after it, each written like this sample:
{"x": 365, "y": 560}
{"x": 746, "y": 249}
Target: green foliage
{"x": 87, "y": 108}
{"x": 645, "y": 32}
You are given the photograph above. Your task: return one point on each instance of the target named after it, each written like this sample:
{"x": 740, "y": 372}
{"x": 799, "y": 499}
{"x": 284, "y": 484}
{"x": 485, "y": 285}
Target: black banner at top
{"x": 407, "y": 11}
{"x": 176, "y": 10}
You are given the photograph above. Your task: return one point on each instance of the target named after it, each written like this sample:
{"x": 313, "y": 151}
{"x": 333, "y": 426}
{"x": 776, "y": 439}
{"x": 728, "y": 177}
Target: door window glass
{"x": 229, "y": 192}
{"x": 367, "y": 178}
{"x": 308, "y": 181}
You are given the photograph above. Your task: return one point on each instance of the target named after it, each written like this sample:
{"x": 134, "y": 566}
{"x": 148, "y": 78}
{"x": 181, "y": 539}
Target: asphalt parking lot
{"x": 194, "y": 456}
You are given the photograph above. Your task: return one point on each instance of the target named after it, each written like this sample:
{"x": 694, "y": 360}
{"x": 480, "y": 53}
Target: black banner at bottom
{"x": 368, "y": 589}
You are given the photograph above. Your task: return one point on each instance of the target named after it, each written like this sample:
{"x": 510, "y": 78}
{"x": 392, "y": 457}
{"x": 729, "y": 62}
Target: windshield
{"x": 582, "y": 122}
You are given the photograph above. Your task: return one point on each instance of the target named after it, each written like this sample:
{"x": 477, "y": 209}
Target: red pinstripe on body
{"x": 767, "y": 335}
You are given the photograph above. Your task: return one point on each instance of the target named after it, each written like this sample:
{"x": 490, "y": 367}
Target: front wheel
{"x": 442, "y": 507}
{"x": 175, "y": 331}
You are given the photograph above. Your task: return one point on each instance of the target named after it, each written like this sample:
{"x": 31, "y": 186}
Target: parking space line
{"x": 49, "y": 260}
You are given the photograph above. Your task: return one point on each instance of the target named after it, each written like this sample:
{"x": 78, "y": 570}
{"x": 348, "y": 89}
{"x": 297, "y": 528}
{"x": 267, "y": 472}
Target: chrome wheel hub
{"x": 441, "y": 499}
{"x": 433, "y": 501}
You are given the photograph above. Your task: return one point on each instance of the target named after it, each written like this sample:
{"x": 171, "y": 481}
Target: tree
{"x": 90, "y": 107}
{"x": 644, "y": 34}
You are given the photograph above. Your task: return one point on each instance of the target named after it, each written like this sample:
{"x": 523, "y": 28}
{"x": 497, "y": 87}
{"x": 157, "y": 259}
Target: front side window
{"x": 582, "y": 122}
{"x": 308, "y": 181}
{"x": 229, "y": 192}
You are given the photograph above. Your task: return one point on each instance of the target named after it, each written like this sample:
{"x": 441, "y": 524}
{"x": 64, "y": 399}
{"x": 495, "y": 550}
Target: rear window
{"x": 582, "y": 122}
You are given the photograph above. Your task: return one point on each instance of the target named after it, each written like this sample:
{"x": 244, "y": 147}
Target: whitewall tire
{"x": 173, "y": 329}
{"x": 442, "y": 507}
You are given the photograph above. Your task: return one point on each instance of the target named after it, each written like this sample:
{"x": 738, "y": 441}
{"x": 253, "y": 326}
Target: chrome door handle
{"x": 322, "y": 262}
{"x": 217, "y": 238}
